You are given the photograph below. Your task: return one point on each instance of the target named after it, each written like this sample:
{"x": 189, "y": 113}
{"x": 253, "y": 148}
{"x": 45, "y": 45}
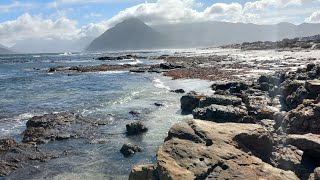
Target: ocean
{"x": 28, "y": 89}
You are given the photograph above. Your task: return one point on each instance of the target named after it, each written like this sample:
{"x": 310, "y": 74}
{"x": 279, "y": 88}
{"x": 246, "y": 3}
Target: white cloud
{"x": 156, "y": 12}
{"x": 264, "y": 4}
{"x": 27, "y": 26}
{"x": 314, "y": 18}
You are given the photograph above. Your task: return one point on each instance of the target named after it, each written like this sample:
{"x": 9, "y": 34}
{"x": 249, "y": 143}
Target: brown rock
{"x": 304, "y": 119}
{"x": 227, "y": 157}
{"x": 190, "y": 101}
{"x": 143, "y": 172}
{"x": 309, "y": 143}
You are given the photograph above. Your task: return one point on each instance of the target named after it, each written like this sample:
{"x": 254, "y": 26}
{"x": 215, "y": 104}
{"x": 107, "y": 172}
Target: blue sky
{"x": 67, "y": 19}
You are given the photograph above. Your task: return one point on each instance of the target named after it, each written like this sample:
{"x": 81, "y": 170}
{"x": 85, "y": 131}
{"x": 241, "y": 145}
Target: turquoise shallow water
{"x": 27, "y": 89}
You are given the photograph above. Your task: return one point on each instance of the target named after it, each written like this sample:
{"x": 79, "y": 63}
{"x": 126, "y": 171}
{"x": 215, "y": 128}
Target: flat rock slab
{"x": 183, "y": 158}
{"x": 309, "y": 143}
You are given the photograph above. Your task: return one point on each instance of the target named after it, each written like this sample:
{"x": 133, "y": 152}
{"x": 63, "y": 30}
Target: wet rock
{"x": 220, "y": 100}
{"x": 51, "y": 120}
{"x": 219, "y": 113}
{"x": 56, "y": 126}
{"x": 141, "y": 172}
{"x": 190, "y": 101}
{"x": 129, "y": 149}
{"x": 226, "y": 157}
{"x": 313, "y": 86}
{"x": 264, "y": 86}
{"x": 263, "y": 79}
{"x": 136, "y": 128}
{"x": 37, "y": 135}
{"x": 135, "y": 113}
{"x": 158, "y": 104}
{"x": 6, "y": 144}
{"x": 14, "y": 156}
{"x": 52, "y": 69}
{"x": 170, "y": 66}
{"x": 178, "y": 91}
{"x": 113, "y": 58}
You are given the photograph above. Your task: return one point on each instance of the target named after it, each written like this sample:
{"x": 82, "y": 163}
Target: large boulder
{"x": 220, "y": 100}
{"x": 308, "y": 143}
{"x": 304, "y": 119}
{"x": 190, "y": 101}
{"x": 219, "y": 113}
{"x": 289, "y": 87}
{"x": 228, "y": 156}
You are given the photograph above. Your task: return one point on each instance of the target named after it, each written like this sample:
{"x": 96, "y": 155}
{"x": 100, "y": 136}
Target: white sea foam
{"x": 110, "y": 72}
{"x": 159, "y": 84}
{"x": 132, "y": 63}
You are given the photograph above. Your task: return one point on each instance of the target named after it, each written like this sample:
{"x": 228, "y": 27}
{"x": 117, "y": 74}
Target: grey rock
{"x": 129, "y": 149}
{"x": 219, "y": 113}
{"x": 220, "y": 100}
{"x": 136, "y": 128}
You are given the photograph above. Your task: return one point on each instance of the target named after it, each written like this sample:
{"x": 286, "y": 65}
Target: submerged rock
{"x": 14, "y": 155}
{"x": 130, "y": 149}
{"x": 59, "y": 126}
{"x": 178, "y": 91}
{"x": 136, "y": 128}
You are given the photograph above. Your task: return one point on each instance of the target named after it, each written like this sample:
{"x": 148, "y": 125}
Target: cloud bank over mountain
{"x": 58, "y": 22}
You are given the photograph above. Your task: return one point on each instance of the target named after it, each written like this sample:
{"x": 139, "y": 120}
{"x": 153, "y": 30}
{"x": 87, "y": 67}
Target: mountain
{"x": 221, "y": 33}
{"x": 128, "y": 35}
{"x": 134, "y": 34}
{"x": 37, "y": 45}
{"x": 5, "y": 50}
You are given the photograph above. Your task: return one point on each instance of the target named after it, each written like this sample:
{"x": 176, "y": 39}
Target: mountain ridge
{"x": 133, "y": 34}
{"x": 5, "y": 50}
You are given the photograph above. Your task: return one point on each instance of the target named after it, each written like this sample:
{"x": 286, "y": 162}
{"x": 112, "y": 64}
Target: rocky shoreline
{"x": 262, "y": 129}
